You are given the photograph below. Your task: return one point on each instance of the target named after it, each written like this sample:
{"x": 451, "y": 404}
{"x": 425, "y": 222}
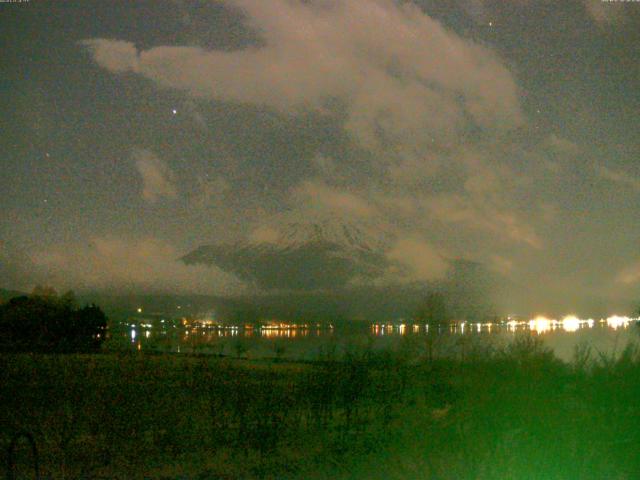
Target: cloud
{"x": 471, "y": 190}
{"x": 325, "y": 166}
{"x": 264, "y": 234}
{"x": 399, "y": 76}
{"x": 211, "y": 192}
{"x": 629, "y": 275}
{"x": 413, "y": 170}
{"x": 500, "y": 264}
{"x": 157, "y": 178}
{"x": 320, "y": 197}
{"x": 115, "y": 55}
{"x": 479, "y": 214}
{"x": 605, "y": 13}
{"x": 562, "y": 145}
{"x": 419, "y": 258}
{"x": 135, "y": 263}
{"x": 619, "y": 177}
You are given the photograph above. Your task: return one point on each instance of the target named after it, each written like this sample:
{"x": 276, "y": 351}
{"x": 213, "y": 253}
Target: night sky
{"x": 504, "y": 132}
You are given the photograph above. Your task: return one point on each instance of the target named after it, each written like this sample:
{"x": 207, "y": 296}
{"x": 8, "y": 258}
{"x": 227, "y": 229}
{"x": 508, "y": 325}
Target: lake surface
{"x": 309, "y": 342}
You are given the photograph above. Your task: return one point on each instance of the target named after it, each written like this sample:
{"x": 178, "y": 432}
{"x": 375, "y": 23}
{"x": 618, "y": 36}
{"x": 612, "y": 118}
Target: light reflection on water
{"x": 608, "y": 335}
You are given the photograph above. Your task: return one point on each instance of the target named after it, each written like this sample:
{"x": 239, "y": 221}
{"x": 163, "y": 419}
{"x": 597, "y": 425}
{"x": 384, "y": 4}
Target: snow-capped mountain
{"x": 301, "y": 256}
{"x": 347, "y": 235}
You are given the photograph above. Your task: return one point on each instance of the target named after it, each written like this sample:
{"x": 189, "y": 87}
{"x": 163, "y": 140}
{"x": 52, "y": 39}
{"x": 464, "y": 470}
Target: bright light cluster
{"x": 616, "y": 321}
{"x": 571, "y": 323}
{"x": 542, "y": 324}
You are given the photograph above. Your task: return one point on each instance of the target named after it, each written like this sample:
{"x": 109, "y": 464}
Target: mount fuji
{"x": 301, "y": 256}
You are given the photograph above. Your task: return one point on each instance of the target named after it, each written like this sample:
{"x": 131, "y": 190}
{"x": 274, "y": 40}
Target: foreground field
{"x": 515, "y": 413}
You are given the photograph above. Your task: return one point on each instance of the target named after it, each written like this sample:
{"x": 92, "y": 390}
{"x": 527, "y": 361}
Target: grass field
{"x": 513, "y": 413}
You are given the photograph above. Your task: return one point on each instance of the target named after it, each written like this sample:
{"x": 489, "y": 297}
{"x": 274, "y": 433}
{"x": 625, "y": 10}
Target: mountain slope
{"x": 305, "y": 256}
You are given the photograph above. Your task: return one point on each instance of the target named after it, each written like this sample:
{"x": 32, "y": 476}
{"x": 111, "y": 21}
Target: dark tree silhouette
{"x": 48, "y": 323}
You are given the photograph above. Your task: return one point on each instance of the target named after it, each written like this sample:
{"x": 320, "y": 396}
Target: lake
{"x": 309, "y": 342}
